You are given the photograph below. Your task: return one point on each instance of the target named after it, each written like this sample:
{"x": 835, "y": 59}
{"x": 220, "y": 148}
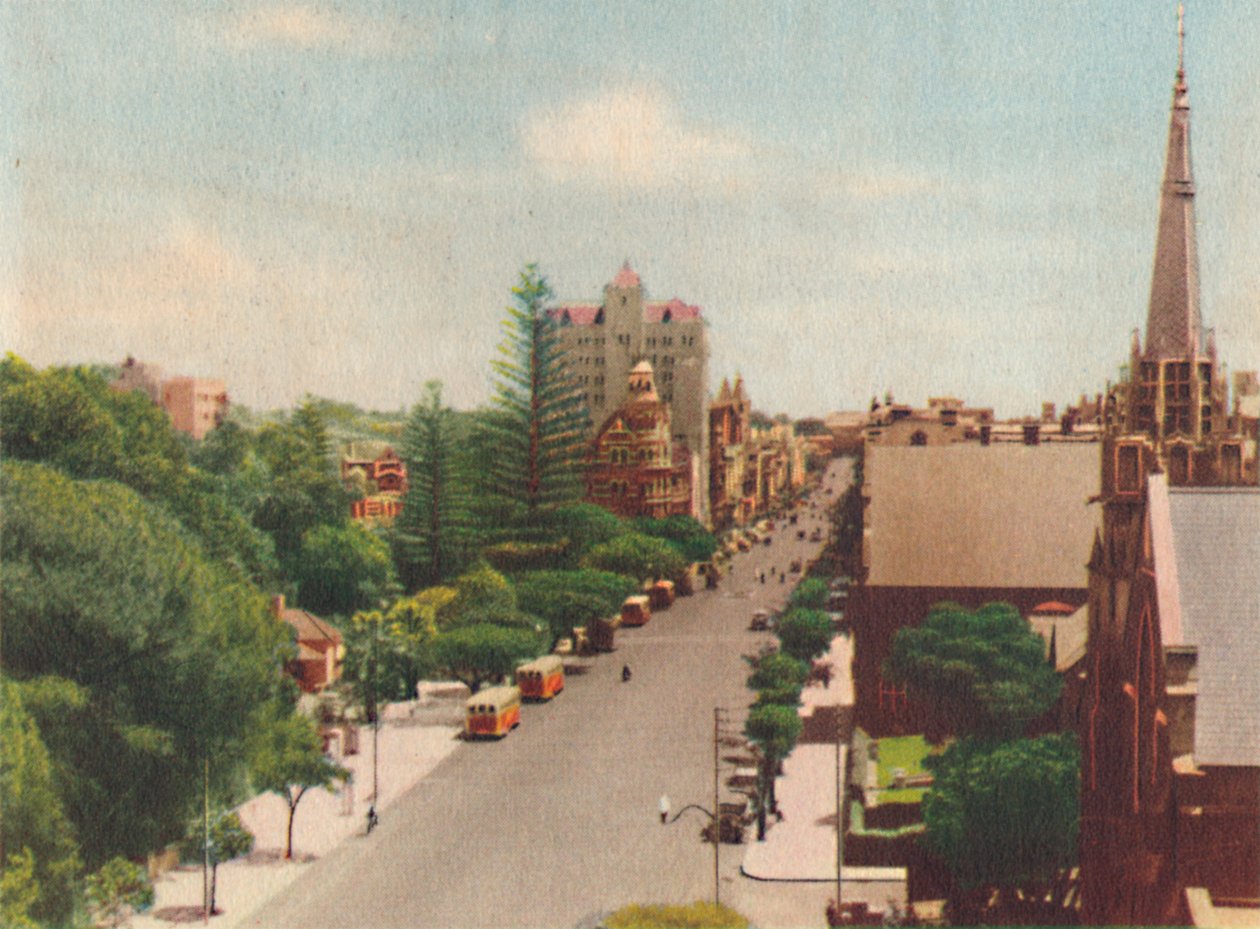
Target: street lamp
{"x": 667, "y": 820}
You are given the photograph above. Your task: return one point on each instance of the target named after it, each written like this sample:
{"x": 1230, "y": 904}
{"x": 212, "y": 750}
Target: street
{"x": 559, "y": 821}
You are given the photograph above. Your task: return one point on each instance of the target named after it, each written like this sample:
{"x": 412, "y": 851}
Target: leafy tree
{"x": 118, "y": 890}
{"x": 805, "y": 634}
{"x": 285, "y": 758}
{"x": 1004, "y": 817}
{"x": 637, "y": 555}
{"x": 19, "y": 891}
{"x": 481, "y": 653}
{"x": 434, "y": 533}
{"x": 38, "y": 857}
{"x": 778, "y": 678}
{"x": 687, "y": 536}
{"x": 342, "y": 568}
{"x": 566, "y": 599}
{"x": 774, "y": 729}
{"x": 980, "y": 672}
{"x": 583, "y": 526}
{"x": 138, "y": 655}
{"x": 536, "y": 432}
{"x": 812, "y": 593}
{"x": 482, "y": 595}
{"x": 229, "y": 839}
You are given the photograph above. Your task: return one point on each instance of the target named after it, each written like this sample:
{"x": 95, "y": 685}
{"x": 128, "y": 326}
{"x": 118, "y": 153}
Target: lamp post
{"x": 667, "y": 820}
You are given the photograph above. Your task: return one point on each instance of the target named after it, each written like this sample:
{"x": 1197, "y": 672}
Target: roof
{"x": 580, "y": 314}
{"x": 1068, "y": 632}
{"x": 981, "y": 516}
{"x": 310, "y": 628}
{"x": 366, "y": 450}
{"x": 626, "y": 277}
{"x": 676, "y": 310}
{"x": 1216, "y": 537}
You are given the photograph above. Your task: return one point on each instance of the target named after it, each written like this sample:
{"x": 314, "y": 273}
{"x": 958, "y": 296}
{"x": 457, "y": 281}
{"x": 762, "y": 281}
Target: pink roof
{"x": 655, "y": 312}
{"x": 626, "y": 277}
{"x": 580, "y": 314}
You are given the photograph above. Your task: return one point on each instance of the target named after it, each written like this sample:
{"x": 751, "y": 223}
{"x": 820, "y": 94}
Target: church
{"x": 1169, "y": 724}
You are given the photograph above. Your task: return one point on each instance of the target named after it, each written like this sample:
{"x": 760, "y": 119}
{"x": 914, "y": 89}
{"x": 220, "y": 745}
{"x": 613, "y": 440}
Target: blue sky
{"x": 937, "y": 198}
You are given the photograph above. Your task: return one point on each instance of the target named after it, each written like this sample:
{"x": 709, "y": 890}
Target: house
{"x": 320, "y": 647}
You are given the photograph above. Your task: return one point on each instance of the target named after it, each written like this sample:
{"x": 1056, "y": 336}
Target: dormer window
{"x": 599, "y": 316}
{"x": 666, "y": 316}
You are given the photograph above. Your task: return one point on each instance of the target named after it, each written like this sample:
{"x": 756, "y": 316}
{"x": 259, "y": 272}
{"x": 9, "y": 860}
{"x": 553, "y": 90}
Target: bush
{"x": 119, "y": 889}
{"x": 511, "y": 557}
{"x": 698, "y": 915}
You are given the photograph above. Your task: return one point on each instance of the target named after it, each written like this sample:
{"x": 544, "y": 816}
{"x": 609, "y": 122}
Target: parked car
{"x": 762, "y": 621}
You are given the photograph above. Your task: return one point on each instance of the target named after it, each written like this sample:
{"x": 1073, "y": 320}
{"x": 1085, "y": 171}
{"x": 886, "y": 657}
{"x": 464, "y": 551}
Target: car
{"x": 761, "y": 621}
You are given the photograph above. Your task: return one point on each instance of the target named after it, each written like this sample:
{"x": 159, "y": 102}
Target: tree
{"x": 38, "y": 857}
{"x": 805, "y": 634}
{"x": 137, "y": 655}
{"x": 229, "y": 839}
{"x": 774, "y": 729}
{"x": 285, "y": 758}
{"x": 639, "y": 556}
{"x": 566, "y": 599}
{"x": 434, "y": 533}
{"x": 119, "y": 889}
{"x": 583, "y": 526}
{"x": 536, "y": 432}
{"x": 1004, "y": 817}
{"x": 685, "y": 533}
{"x": 981, "y": 672}
{"x": 342, "y": 568}
{"x": 481, "y": 653}
{"x": 778, "y": 678}
{"x": 812, "y": 593}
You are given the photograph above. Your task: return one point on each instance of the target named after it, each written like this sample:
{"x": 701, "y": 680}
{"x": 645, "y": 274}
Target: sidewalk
{"x": 409, "y": 750}
{"x": 802, "y": 847}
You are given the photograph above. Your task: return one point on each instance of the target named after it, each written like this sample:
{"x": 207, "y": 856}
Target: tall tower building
{"x": 1174, "y": 393}
{"x": 606, "y": 340}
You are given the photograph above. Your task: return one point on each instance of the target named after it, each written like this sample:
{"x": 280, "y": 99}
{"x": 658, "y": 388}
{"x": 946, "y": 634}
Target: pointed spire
{"x": 1173, "y": 323}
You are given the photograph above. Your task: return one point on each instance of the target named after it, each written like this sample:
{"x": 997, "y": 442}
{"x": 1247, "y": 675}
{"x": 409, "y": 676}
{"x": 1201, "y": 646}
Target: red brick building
{"x": 634, "y": 468}
{"x": 320, "y": 648}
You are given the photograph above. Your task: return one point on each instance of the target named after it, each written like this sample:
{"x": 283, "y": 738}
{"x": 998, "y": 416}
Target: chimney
{"x": 1032, "y": 433}
{"x": 277, "y": 606}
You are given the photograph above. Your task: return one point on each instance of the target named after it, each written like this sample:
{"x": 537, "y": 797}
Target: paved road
{"x": 559, "y": 820}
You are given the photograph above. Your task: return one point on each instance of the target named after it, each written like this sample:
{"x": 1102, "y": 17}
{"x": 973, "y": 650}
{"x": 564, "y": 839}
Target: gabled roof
{"x": 673, "y": 309}
{"x": 626, "y": 277}
{"x": 1010, "y": 516}
{"x": 577, "y": 314}
{"x": 1216, "y": 536}
{"x": 310, "y": 628}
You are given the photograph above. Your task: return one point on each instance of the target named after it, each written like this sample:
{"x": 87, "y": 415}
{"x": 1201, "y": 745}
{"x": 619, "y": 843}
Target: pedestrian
{"x": 763, "y": 577}
{"x": 625, "y": 673}
{"x": 372, "y": 818}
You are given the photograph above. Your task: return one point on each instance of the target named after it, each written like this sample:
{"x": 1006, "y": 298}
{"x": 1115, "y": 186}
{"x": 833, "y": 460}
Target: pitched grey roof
{"x": 1216, "y": 534}
{"x": 981, "y": 516}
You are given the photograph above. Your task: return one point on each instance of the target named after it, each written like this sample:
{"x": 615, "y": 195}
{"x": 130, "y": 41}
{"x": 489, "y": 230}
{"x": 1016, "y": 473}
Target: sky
{"x": 925, "y": 197}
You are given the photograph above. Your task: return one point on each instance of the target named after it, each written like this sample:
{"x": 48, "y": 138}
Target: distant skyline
{"x": 928, "y": 197}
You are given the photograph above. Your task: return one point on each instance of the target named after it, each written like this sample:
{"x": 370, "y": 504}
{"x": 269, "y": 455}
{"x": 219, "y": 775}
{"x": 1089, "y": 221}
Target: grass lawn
{"x": 906, "y": 752}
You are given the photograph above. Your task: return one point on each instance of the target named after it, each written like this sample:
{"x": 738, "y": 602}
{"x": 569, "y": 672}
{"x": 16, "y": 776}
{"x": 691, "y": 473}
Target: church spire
{"x": 1173, "y": 323}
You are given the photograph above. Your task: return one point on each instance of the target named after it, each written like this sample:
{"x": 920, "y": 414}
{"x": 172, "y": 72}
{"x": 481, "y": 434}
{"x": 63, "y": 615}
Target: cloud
{"x": 633, "y": 137}
{"x": 311, "y": 28}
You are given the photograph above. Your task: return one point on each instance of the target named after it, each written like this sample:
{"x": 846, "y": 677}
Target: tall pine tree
{"x": 433, "y": 534}
{"x": 537, "y": 429}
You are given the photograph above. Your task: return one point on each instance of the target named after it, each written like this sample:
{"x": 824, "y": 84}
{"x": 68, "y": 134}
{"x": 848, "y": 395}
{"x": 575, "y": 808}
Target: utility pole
{"x": 839, "y": 808}
{"x": 205, "y": 843}
{"x": 717, "y": 810}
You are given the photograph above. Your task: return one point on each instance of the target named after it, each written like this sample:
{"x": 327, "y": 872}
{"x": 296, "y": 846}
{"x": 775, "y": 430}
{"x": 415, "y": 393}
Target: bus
{"x": 493, "y": 712}
{"x": 541, "y": 679}
{"x": 636, "y": 611}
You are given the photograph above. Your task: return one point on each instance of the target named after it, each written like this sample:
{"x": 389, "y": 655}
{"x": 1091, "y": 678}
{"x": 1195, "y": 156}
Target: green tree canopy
{"x": 119, "y": 889}
{"x": 435, "y": 533}
{"x": 636, "y": 555}
{"x": 812, "y": 593}
{"x": 778, "y": 678}
{"x": 484, "y": 652}
{"x": 286, "y": 758}
{"x": 685, "y": 533}
{"x": 535, "y": 435}
{"x": 36, "y": 839}
{"x": 805, "y": 634}
{"x": 981, "y": 672}
{"x": 1004, "y": 816}
{"x": 228, "y": 839}
{"x": 147, "y": 656}
{"x": 342, "y": 568}
{"x": 583, "y": 526}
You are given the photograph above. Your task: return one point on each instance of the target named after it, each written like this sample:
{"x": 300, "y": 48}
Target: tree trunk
{"x": 293, "y": 804}
{"x": 214, "y": 879}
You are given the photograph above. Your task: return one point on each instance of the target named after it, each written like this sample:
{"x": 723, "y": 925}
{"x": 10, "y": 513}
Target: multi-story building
{"x": 728, "y": 431}
{"x": 606, "y": 340}
{"x": 1170, "y": 721}
{"x": 635, "y": 467}
{"x": 195, "y": 405}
